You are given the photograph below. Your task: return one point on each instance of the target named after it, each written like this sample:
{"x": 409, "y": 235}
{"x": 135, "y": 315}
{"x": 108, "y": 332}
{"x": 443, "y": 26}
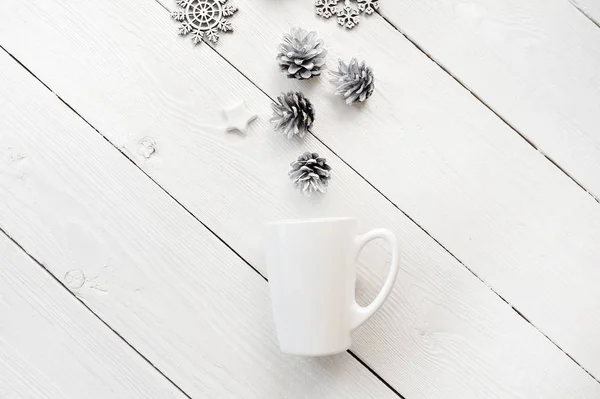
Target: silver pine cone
{"x": 355, "y": 82}
{"x": 310, "y": 173}
{"x": 293, "y": 114}
{"x": 301, "y": 55}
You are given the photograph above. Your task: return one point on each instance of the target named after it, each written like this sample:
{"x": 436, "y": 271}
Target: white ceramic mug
{"x": 312, "y": 277}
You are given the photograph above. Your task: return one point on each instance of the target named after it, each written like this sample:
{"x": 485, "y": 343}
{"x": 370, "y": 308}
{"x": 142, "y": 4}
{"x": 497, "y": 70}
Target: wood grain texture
{"x": 139, "y": 83}
{"x": 510, "y": 216}
{"x": 534, "y": 62}
{"x": 142, "y": 263}
{"x": 434, "y": 150}
{"x": 52, "y": 347}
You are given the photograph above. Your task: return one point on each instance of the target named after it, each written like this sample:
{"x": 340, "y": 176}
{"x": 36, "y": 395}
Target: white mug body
{"x": 312, "y": 276}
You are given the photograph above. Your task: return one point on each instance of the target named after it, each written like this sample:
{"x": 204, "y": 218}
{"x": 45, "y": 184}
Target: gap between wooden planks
{"x": 589, "y": 8}
{"x": 151, "y": 271}
{"x": 473, "y": 180}
{"x": 535, "y": 62}
{"x": 465, "y": 347}
{"x": 51, "y": 347}
{"x": 435, "y": 151}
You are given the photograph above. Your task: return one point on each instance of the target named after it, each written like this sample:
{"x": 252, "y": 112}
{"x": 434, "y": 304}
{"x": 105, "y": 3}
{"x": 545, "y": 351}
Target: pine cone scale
{"x": 293, "y": 69}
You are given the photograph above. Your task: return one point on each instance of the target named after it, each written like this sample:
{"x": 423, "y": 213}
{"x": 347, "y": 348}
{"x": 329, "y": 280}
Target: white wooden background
{"x": 128, "y": 274}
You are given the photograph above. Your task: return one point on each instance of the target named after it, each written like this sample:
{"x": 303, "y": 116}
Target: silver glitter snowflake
{"x": 326, "y": 8}
{"x": 348, "y": 16}
{"x": 368, "y": 6}
{"x": 203, "y": 18}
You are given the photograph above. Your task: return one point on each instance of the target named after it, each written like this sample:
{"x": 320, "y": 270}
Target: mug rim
{"x": 311, "y": 220}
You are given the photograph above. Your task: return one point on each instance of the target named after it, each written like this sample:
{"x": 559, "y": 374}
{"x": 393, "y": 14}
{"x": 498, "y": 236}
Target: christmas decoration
{"x": 203, "y": 18}
{"x": 355, "y": 82}
{"x": 326, "y": 8}
{"x": 368, "y": 6}
{"x": 310, "y": 173}
{"x": 348, "y": 13}
{"x": 301, "y": 55}
{"x": 293, "y": 114}
{"x": 238, "y": 117}
{"x": 348, "y": 16}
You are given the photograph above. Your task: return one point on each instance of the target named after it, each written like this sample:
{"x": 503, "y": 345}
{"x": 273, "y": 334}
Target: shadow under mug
{"x": 312, "y": 276}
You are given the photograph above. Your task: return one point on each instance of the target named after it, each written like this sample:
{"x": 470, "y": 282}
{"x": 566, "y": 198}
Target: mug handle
{"x": 360, "y": 314}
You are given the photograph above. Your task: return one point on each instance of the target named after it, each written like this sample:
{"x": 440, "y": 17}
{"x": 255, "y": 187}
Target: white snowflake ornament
{"x": 326, "y": 8}
{"x": 348, "y": 16}
{"x": 348, "y": 13}
{"x": 203, "y": 18}
{"x": 368, "y": 6}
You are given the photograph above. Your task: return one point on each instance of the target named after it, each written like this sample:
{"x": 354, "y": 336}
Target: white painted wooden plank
{"x": 507, "y": 213}
{"x": 589, "y": 8}
{"x": 52, "y": 347}
{"x": 452, "y": 165}
{"x": 142, "y": 263}
{"x": 441, "y": 322}
{"x": 535, "y": 62}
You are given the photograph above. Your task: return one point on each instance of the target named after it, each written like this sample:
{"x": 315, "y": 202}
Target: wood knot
{"x": 147, "y": 147}
{"x": 75, "y": 278}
